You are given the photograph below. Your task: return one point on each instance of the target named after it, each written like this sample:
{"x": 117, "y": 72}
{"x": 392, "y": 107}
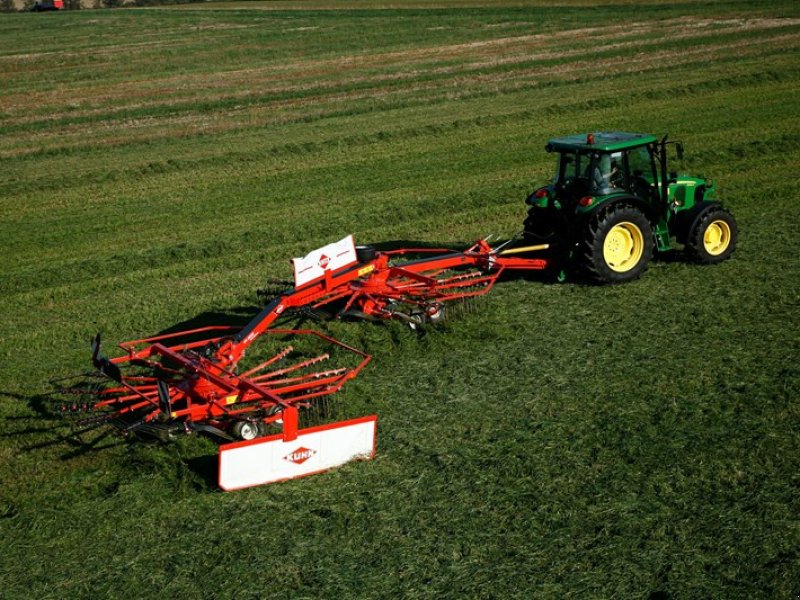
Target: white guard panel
{"x": 270, "y": 459}
{"x": 328, "y": 258}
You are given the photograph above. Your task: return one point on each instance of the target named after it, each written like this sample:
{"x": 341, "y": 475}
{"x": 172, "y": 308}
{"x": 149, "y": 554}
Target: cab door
{"x": 640, "y": 174}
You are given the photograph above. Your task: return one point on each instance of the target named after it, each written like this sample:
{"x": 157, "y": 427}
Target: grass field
{"x": 637, "y": 441}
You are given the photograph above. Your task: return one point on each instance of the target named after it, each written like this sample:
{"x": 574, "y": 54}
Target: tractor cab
{"x": 605, "y": 164}
{"x": 604, "y": 177}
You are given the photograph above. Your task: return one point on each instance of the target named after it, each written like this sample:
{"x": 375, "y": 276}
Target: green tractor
{"x": 613, "y": 203}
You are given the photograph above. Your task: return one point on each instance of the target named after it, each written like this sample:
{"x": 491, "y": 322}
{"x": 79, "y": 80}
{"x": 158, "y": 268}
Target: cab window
{"x": 640, "y": 164}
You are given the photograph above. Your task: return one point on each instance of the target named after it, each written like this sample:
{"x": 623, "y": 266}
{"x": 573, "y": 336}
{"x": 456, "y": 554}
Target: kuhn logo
{"x": 324, "y": 261}
{"x": 300, "y": 455}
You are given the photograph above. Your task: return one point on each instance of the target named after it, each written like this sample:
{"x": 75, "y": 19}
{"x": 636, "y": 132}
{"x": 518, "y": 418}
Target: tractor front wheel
{"x": 713, "y": 238}
{"x": 617, "y": 245}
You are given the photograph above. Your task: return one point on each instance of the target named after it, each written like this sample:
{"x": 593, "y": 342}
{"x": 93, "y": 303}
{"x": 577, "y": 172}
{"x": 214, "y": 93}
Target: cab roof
{"x": 604, "y": 141}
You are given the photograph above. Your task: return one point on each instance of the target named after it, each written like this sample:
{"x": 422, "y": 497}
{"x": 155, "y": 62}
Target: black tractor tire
{"x": 617, "y": 245}
{"x": 713, "y": 238}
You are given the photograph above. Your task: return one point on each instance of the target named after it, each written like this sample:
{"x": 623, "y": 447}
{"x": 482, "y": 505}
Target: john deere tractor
{"x": 614, "y": 202}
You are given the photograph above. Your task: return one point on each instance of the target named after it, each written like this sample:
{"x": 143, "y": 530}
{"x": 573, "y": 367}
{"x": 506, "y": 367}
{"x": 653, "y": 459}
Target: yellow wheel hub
{"x": 717, "y": 237}
{"x": 623, "y": 247}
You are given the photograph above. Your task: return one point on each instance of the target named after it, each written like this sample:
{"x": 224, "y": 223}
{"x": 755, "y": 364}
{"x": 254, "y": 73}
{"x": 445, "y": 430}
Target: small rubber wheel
{"x": 713, "y": 239}
{"x": 617, "y": 245}
{"x": 435, "y": 314}
{"x": 365, "y": 254}
{"x": 246, "y": 430}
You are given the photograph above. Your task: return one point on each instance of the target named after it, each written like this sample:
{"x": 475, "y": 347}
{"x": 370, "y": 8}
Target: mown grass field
{"x": 639, "y": 441}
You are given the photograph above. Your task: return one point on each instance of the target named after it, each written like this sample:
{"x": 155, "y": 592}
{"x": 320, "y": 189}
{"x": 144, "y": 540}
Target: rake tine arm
{"x": 102, "y": 364}
{"x": 297, "y": 367}
{"x": 352, "y": 300}
{"x": 325, "y": 381}
{"x": 306, "y": 377}
{"x": 128, "y": 409}
{"x": 125, "y": 399}
{"x": 330, "y": 389}
{"x": 122, "y": 390}
{"x": 417, "y": 278}
{"x": 282, "y": 354}
{"x": 326, "y": 338}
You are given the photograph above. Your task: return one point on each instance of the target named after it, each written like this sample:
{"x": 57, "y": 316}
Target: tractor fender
{"x": 646, "y": 208}
{"x": 688, "y": 219}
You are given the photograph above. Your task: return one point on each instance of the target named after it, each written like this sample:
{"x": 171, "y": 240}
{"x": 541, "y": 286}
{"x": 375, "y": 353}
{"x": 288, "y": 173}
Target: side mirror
{"x": 679, "y": 150}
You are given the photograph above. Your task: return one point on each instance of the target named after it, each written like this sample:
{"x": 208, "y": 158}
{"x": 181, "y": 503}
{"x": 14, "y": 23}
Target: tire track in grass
{"x": 561, "y": 69}
{"x": 26, "y": 210}
{"x": 216, "y": 123}
{"x": 59, "y": 181}
{"x": 131, "y": 90}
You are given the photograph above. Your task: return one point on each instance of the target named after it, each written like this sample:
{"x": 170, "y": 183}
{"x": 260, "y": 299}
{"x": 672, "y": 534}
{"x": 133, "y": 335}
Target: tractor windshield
{"x": 595, "y": 172}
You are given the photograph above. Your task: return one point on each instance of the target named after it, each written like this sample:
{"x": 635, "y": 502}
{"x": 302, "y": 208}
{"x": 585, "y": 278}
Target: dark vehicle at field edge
{"x": 47, "y": 5}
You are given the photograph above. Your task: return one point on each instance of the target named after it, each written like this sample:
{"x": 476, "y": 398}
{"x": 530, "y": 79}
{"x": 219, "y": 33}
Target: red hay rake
{"x": 195, "y": 381}
{"x": 161, "y": 388}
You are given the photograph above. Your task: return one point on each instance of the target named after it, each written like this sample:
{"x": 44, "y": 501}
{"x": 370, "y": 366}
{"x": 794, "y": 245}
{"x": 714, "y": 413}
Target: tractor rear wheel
{"x": 617, "y": 245}
{"x": 713, "y": 238}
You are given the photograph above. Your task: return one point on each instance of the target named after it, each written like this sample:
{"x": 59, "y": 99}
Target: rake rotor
{"x": 198, "y": 380}
{"x": 162, "y": 390}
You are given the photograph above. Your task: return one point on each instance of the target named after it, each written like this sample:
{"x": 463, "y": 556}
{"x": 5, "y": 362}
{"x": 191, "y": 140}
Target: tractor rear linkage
{"x": 188, "y": 381}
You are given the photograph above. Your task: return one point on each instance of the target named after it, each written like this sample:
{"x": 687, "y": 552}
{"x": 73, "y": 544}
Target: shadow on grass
{"x": 238, "y": 316}
{"x": 53, "y": 431}
{"x": 672, "y": 257}
{"x": 205, "y": 468}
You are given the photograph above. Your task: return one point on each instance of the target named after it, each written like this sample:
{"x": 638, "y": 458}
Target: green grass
{"x": 640, "y": 441}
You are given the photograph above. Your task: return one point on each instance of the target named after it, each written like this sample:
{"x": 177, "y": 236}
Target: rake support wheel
{"x": 617, "y": 245}
{"x": 246, "y": 430}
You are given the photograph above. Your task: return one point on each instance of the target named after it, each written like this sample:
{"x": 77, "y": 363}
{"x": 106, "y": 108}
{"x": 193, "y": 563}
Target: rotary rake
{"x": 196, "y": 381}
{"x": 161, "y": 388}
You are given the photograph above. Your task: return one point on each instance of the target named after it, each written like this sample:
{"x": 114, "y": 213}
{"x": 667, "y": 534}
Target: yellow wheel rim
{"x": 623, "y": 247}
{"x": 717, "y": 237}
